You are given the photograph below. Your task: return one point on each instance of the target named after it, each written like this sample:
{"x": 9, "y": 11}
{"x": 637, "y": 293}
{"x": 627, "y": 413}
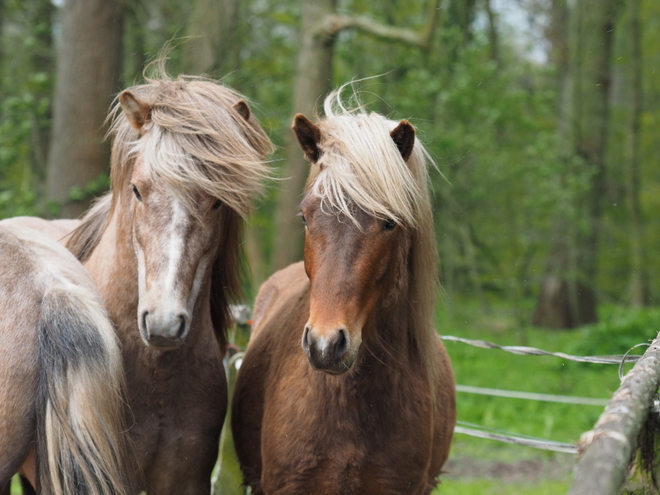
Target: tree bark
{"x": 213, "y": 29}
{"x": 606, "y": 451}
{"x": 493, "y": 36}
{"x": 319, "y": 27}
{"x": 567, "y": 297}
{"x": 41, "y": 61}
{"x": 88, "y": 75}
{"x": 312, "y": 81}
{"x": 639, "y": 293}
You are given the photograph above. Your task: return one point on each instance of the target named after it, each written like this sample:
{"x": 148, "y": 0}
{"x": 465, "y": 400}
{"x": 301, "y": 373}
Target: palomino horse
{"x": 61, "y": 375}
{"x": 345, "y": 387}
{"x": 163, "y": 248}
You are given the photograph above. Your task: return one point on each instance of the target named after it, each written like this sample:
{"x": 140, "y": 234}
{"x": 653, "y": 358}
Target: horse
{"x": 345, "y": 387}
{"x": 61, "y": 375}
{"x": 163, "y": 247}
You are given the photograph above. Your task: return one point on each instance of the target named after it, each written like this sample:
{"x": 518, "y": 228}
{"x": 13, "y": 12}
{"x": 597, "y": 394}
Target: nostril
{"x": 183, "y": 323}
{"x": 342, "y": 344}
{"x": 144, "y": 321}
{"x": 305, "y": 340}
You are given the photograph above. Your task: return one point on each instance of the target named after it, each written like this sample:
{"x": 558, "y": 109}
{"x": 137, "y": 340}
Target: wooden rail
{"x": 606, "y": 451}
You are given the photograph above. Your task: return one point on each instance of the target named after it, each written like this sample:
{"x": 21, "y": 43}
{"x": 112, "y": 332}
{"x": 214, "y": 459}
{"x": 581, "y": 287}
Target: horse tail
{"x": 82, "y": 444}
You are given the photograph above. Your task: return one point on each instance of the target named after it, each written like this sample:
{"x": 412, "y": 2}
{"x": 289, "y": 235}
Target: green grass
{"x": 494, "y": 487}
{"x": 617, "y": 332}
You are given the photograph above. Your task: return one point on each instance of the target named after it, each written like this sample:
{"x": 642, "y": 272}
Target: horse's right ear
{"x": 403, "y": 136}
{"x": 137, "y": 112}
{"x": 308, "y": 135}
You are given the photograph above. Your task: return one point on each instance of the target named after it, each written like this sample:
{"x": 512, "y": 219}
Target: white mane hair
{"x": 361, "y": 164}
{"x": 195, "y": 140}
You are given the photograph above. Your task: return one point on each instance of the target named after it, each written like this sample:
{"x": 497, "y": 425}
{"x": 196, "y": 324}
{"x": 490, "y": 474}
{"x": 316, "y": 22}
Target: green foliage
{"x": 618, "y": 333}
{"x": 26, "y": 83}
{"x": 94, "y": 188}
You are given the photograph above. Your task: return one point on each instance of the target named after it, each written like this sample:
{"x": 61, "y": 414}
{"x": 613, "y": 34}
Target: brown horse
{"x": 61, "y": 375}
{"x": 345, "y": 387}
{"x": 163, "y": 250}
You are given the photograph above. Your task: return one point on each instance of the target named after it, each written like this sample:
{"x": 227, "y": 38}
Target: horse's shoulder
{"x": 283, "y": 289}
{"x": 56, "y": 229}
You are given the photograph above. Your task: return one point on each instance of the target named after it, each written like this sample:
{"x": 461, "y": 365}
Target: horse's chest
{"x": 175, "y": 410}
{"x": 362, "y": 442}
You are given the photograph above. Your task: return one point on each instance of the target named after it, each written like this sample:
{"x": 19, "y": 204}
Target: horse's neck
{"x": 112, "y": 265}
{"x": 395, "y": 336}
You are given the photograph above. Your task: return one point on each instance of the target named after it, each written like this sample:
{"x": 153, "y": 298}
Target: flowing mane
{"x": 196, "y": 140}
{"x": 360, "y": 164}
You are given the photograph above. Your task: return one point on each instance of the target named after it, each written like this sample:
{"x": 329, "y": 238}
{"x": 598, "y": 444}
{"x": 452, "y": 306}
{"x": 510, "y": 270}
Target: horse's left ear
{"x": 308, "y": 135}
{"x": 242, "y": 108}
{"x": 137, "y": 112}
{"x": 403, "y": 136}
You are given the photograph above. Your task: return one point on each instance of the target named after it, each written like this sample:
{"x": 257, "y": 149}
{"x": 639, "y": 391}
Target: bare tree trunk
{"x": 42, "y": 12}
{"x": 567, "y": 297}
{"x": 88, "y": 74}
{"x": 313, "y": 80}
{"x": 638, "y": 281}
{"x": 135, "y": 58}
{"x": 493, "y": 37}
{"x": 213, "y": 27}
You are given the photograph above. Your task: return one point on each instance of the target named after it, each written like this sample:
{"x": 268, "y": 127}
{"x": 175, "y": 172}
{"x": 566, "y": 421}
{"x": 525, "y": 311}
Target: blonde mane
{"x": 360, "y": 164}
{"x": 195, "y": 140}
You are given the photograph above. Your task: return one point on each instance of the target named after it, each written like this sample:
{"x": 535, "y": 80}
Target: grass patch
{"x": 618, "y": 331}
{"x": 494, "y": 487}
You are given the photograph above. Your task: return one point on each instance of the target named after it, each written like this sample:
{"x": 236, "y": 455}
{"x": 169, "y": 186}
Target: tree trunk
{"x": 88, "y": 75}
{"x": 213, "y": 29}
{"x": 41, "y": 61}
{"x": 312, "y": 82}
{"x": 493, "y": 37}
{"x": 639, "y": 294}
{"x": 567, "y": 296}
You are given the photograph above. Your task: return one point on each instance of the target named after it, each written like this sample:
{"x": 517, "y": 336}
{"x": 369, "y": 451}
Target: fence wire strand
{"x": 500, "y": 436}
{"x": 533, "y": 351}
{"x": 513, "y": 394}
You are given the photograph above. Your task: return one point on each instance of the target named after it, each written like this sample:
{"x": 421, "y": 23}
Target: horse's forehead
{"x": 330, "y": 217}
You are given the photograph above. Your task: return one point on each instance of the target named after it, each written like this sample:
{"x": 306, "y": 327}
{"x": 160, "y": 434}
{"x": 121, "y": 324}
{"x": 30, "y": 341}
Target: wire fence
{"x": 479, "y": 431}
{"x": 533, "y": 351}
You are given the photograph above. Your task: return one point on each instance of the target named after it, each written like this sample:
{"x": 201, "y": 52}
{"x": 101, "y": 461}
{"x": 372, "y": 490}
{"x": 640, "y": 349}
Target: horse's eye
{"x": 217, "y": 204}
{"x": 137, "y": 193}
{"x": 389, "y": 224}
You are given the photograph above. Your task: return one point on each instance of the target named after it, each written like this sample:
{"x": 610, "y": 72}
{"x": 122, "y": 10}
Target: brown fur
{"x": 375, "y": 413}
{"x": 61, "y": 378}
{"x": 190, "y": 202}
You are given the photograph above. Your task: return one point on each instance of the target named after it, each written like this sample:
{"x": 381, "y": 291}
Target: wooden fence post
{"x": 606, "y": 451}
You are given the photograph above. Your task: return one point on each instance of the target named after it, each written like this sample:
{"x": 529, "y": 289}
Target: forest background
{"x": 543, "y": 117}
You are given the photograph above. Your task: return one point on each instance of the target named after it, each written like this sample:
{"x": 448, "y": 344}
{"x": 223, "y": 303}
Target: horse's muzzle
{"x": 330, "y": 352}
{"x": 166, "y": 331}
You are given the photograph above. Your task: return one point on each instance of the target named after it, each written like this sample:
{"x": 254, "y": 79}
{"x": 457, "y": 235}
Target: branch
{"x": 608, "y": 448}
{"x": 332, "y": 24}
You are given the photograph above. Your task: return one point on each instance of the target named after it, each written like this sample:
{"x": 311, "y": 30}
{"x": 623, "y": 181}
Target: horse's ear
{"x": 403, "y": 136}
{"x": 308, "y": 135}
{"x": 137, "y": 112}
{"x": 242, "y": 108}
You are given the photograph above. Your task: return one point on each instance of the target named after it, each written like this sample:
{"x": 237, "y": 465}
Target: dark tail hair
{"x": 82, "y": 443}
